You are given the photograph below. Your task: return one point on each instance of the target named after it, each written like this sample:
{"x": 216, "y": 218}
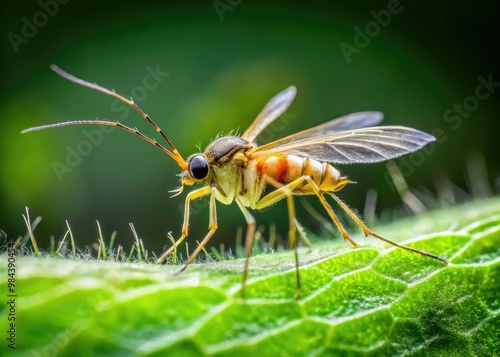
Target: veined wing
{"x": 273, "y": 109}
{"x": 346, "y": 122}
{"x": 356, "y": 146}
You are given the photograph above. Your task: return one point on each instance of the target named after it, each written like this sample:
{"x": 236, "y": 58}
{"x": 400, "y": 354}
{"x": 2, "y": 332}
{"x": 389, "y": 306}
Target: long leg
{"x": 302, "y": 234}
{"x": 212, "y": 227}
{"x": 292, "y": 234}
{"x": 281, "y": 193}
{"x": 249, "y": 240}
{"x": 190, "y": 196}
{"x": 274, "y": 198}
{"x": 287, "y": 191}
{"x": 368, "y": 232}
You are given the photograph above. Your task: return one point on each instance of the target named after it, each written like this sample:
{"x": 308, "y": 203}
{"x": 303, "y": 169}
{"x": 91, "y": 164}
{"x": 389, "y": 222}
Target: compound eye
{"x": 198, "y": 167}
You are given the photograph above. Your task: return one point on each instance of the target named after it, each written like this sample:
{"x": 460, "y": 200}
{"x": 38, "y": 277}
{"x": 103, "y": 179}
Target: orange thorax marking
{"x": 275, "y": 167}
{"x": 287, "y": 168}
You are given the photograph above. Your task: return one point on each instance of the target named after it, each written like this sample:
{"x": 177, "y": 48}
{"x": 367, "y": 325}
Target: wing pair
{"x": 349, "y": 139}
{"x": 340, "y": 141}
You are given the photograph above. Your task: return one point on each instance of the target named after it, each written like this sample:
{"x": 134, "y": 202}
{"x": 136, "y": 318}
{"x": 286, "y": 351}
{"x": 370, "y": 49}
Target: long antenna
{"x": 175, "y": 154}
{"x": 107, "y": 123}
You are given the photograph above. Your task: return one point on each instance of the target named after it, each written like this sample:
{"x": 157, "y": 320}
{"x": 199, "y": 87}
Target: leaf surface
{"x": 368, "y": 301}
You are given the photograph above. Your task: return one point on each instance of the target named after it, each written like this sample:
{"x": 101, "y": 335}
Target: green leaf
{"x": 367, "y": 301}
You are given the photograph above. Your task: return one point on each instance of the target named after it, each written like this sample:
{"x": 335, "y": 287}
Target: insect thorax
{"x": 222, "y": 150}
{"x": 227, "y": 161}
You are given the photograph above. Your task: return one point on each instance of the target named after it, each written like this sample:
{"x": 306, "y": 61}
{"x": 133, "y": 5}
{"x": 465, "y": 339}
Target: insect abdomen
{"x": 287, "y": 168}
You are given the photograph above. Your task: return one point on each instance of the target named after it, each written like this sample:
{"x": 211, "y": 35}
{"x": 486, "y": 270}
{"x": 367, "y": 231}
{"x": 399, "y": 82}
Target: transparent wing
{"x": 346, "y": 122}
{"x": 273, "y": 109}
{"x": 356, "y": 146}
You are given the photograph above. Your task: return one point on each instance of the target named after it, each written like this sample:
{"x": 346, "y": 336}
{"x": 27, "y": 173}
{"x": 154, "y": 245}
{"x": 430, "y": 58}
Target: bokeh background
{"x": 225, "y": 60}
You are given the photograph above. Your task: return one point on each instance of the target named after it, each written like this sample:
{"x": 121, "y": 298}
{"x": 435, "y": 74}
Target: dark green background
{"x": 221, "y": 73}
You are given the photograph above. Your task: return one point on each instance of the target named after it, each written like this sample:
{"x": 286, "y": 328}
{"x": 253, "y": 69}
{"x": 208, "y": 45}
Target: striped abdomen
{"x": 287, "y": 168}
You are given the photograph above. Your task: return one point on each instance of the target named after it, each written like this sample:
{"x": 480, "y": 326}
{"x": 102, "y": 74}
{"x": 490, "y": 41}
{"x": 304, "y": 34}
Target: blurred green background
{"x": 225, "y": 60}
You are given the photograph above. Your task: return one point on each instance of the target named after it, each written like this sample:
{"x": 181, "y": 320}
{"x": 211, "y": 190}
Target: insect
{"x": 235, "y": 169}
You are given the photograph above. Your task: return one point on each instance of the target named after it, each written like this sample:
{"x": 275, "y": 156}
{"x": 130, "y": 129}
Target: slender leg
{"x": 306, "y": 241}
{"x": 302, "y": 234}
{"x": 282, "y": 191}
{"x": 249, "y": 240}
{"x": 212, "y": 227}
{"x": 292, "y": 234}
{"x": 297, "y": 273}
{"x": 191, "y": 196}
{"x": 287, "y": 191}
{"x": 368, "y": 232}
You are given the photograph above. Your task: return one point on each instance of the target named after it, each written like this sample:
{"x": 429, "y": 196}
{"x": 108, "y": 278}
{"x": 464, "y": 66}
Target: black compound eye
{"x": 198, "y": 167}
